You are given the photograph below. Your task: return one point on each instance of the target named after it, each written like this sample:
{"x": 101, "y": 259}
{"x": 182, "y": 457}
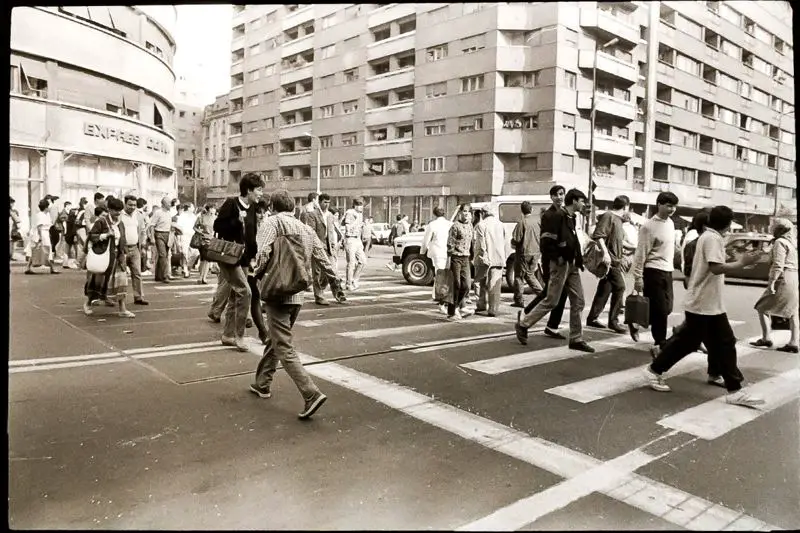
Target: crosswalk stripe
{"x": 384, "y": 332}
{"x": 517, "y": 361}
{"x": 459, "y": 344}
{"x": 386, "y": 296}
{"x": 716, "y": 417}
{"x": 590, "y": 390}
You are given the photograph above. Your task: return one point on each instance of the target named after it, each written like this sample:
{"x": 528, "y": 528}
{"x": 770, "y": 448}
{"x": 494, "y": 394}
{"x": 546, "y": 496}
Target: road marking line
{"x": 449, "y": 345}
{"x": 517, "y": 361}
{"x": 170, "y": 347}
{"x": 180, "y": 286}
{"x": 716, "y": 417}
{"x": 420, "y": 345}
{"x": 35, "y": 368}
{"x": 323, "y": 321}
{"x": 219, "y": 347}
{"x": 387, "y": 296}
{"x": 384, "y": 332}
{"x": 62, "y": 359}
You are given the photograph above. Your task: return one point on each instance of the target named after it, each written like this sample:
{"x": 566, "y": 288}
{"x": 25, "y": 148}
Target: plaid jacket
{"x": 313, "y": 247}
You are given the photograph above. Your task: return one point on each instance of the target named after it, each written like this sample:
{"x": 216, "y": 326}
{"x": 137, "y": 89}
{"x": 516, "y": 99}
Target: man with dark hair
{"x": 525, "y": 241}
{"x": 653, "y": 265}
{"x": 283, "y": 313}
{"x": 609, "y": 236}
{"x": 158, "y": 231}
{"x": 236, "y": 223}
{"x": 135, "y": 233}
{"x": 318, "y": 219}
{"x": 706, "y": 318}
{"x": 353, "y": 247}
{"x": 551, "y": 218}
{"x": 459, "y": 244}
{"x": 560, "y": 240}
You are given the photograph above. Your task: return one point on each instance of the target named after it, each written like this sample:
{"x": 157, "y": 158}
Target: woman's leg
{"x": 794, "y": 326}
{"x": 764, "y": 321}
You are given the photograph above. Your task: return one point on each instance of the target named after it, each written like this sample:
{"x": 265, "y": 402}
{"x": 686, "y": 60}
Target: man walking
{"x": 434, "y": 244}
{"x": 550, "y": 219}
{"x": 135, "y": 234}
{"x": 160, "y": 225}
{"x": 282, "y": 314}
{"x": 354, "y": 249}
{"x": 490, "y": 258}
{"x": 236, "y": 222}
{"x": 706, "y": 318}
{"x": 653, "y": 265}
{"x": 560, "y": 243}
{"x": 459, "y": 243}
{"x": 398, "y": 230}
{"x": 525, "y": 241}
{"x": 609, "y": 236}
{"x": 318, "y": 220}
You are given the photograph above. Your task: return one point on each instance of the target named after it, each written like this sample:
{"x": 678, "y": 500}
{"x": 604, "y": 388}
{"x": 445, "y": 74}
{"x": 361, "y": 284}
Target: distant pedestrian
{"x": 41, "y": 249}
{"x": 322, "y": 223}
{"x": 205, "y": 226}
{"x": 366, "y": 235}
{"x": 14, "y": 224}
{"x": 398, "y": 229}
{"x": 489, "y": 260}
{"x": 527, "y": 254}
{"x": 354, "y": 249}
{"x": 459, "y": 247}
{"x": 434, "y": 244}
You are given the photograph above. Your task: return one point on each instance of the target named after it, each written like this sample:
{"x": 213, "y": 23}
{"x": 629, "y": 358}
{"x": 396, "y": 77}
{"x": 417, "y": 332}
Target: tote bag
{"x": 98, "y": 256}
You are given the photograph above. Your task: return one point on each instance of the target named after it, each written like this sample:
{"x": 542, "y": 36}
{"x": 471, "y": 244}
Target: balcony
{"x": 608, "y": 24}
{"x": 604, "y": 144}
{"x": 390, "y": 13}
{"x": 388, "y": 149}
{"x": 293, "y": 131}
{"x": 608, "y": 105}
{"x": 292, "y": 103}
{"x": 234, "y": 140}
{"x": 390, "y": 114}
{"x": 391, "y": 80}
{"x": 296, "y": 74}
{"x": 235, "y": 117}
{"x": 513, "y": 16}
{"x": 236, "y": 92}
{"x": 510, "y": 99}
{"x": 512, "y": 58}
{"x": 237, "y": 67}
{"x": 299, "y": 16}
{"x": 508, "y": 141}
{"x": 609, "y": 64}
{"x": 295, "y": 159}
{"x": 391, "y": 46}
{"x": 237, "y": 42}
{"x": 298, "y": 45}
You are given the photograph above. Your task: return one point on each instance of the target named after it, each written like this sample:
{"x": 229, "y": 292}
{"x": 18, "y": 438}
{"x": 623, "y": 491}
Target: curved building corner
{"x": 91, "y": 103}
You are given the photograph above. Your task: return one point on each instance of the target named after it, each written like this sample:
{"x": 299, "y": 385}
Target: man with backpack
{"x": 287, "y": 249}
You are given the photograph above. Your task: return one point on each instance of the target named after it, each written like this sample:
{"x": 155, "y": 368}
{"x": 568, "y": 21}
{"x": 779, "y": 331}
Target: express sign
{"x": 105, "y": 132}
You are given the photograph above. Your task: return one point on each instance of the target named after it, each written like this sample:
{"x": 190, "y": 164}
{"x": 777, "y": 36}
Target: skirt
{"x": 784, "y": 303}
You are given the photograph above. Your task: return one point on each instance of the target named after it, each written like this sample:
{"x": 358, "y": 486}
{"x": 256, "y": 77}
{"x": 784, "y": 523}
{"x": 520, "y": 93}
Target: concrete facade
{"x": 188, "y": 144}
{"x": 91, "y": 104}
{"x": 414, "y": 105}
{"x": 216, "y": 129}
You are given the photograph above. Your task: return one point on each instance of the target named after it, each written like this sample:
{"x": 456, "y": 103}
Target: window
{"x": 436, "y": 53}
{"x": 777, "y": 104}
{"x": 252, "y": 101}
{"x": 756, "y": 188}
{"x": 405, "y": 95}
{"x": 728, "y": 82}
{"x": 158, "y": 121}
{"x": 684, "y": 138}
{"x": 269, "y": 123}
{"x": 349, "y": 139}
{"x": 253, "y": 50}
{"x": 433, "y": 164}
{"x": 327, "y": 172}
{"x": 470, "y": 162}
{"x": 529, "y": 163}
{"x": 724, "y": 183}
{"x": 762, "y": 66}
{"x": 350, "y": 107}
{"x": 531, "y": 122}
{"x": 682, "y": 175}
{"x": 760, "y": 96}
{"x": 406, "y": 61}
{"x": 730, "y": 49}
{"x": 328, "y": 51}
{"x": 434, "y": 90}
{"x": 470, "y": 123}
{"x": 725, "y": 149}
{"x": 787, "y": 137}
{"x": 435, "y": 128}
{"x": 473, "y": 44}
{"x": 726, "y": 115}
{"x": 350, "y": 75}
{"x": 730, "y": 14}
{"x": 471, "y": 84}
{"x": 568, "y": 121}
{"x": 689, "y": 27}
{"x": 687, "y": 64}
{"x": 744, "y": 90}
{"x": 347, "y": 170}
{"x": 408, "y": 26}
{"x": 744, "y": 122}
{"x": 252, "y": 151}
{"x": 570, "y": 79}
{"x": 328, "y": 21}
{"x": 253, "y": 75}
{"x": 327, "y": 111}
{"x": 326, "y": 141}
{"x": 686, "y": 101}
{"x": 268, "y": 149}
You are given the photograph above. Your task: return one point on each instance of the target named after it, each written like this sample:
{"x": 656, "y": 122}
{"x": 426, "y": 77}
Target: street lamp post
{"x": 194, "y": 177}
{"x": 592, "y": 115}
{"x": 319, "y": 151}
{"x": 778, "y": 162}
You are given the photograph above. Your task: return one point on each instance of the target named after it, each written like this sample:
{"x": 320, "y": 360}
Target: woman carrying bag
{"x": 106, "y": 248}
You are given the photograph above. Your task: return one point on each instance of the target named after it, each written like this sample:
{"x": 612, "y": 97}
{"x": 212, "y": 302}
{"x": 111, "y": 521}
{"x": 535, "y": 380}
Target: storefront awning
{"x": 101, "y": 16}
{"x": 34, "y": 69}
{"x": 130, "y": 99}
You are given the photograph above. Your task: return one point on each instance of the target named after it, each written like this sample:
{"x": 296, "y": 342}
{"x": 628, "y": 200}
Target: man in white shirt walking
{"x": 135, "y": 234}
{"x": 706, "y": 319}
{"x": 653, "y": 266}
{"x": 353, "y": 247}
{"x": 434, "y": 244}
{"x": 490, "y": 258}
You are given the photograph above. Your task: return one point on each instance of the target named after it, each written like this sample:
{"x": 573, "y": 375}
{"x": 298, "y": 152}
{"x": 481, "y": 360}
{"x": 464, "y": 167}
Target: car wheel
{"x": 510, "y": 277}
{"x": 417, "y": 270}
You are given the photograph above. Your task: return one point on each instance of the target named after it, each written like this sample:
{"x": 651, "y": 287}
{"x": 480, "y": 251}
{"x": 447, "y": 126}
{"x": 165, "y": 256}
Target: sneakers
{"x": 213, "y": 318}
{"x": 456, "y": 317}
{"x": 87, "y": 309}
{"x": 761, "y": 343}
{"x": 313, "y": 405}
{"x": 126, "y": 314}
{"x": 261, "y": 393}
{"x": 466, "y": 311}
{"x": 656, "y": 381}
{"x": 443, "y": 308}
{"x": 719, "y": 381}
{"x": 743, "y": 398}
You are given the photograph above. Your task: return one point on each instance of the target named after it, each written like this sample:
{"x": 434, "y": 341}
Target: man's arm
{"x": 643, "y": 249}
{"x": 715, "y": 255}
{"x": 551, "y": 230}
{"x": 426, "y": 240}
{"x": 518, "y": 235}
{"x": 601, "y": 233}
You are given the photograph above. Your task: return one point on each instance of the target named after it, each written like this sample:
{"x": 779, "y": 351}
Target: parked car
{"x": 740, "y": 243}
{"x": 380, "y": 232}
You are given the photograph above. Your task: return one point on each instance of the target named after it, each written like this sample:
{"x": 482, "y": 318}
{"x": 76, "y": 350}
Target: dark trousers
{"x": 612, "y": 285}
{"x": 162, "y": 256}
{"x": 525, "y": 273}
{"x": 459, "y": 266}
{"x": 554, "y": 321}
{"x": 658, "y": 289}
{"x": 715, "y": 332}
{"x": 255, "y": 307}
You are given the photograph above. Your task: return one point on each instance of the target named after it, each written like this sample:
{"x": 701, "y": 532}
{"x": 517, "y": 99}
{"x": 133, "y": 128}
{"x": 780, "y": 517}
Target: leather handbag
{"x": 637, "y": 310}
{"x": 222, "y": 251}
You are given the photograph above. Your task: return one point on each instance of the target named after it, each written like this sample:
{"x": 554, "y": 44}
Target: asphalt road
{"x": 147, "y": 423}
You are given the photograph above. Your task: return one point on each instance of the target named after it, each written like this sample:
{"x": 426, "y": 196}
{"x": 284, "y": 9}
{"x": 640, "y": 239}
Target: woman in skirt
{"x": 781, "y": 297}
{"x": 112, "y": 285}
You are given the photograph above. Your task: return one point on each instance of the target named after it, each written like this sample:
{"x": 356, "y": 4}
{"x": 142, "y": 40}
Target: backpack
{"x": 593, "y": 259}
{"x": 287, "y": 271}
{"x": 688, "y": 257}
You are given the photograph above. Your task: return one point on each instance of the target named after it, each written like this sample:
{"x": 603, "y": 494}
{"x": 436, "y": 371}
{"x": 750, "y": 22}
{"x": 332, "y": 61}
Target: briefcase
{"x": 637, "y": 310}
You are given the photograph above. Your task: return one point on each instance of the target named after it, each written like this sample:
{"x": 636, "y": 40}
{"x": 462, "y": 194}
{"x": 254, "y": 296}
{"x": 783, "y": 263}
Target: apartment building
{"x": 414, "y": 105}
{"x": 188, "y": 127}
{"x": 90, "y": 103}
{"x": 214, "y": 171}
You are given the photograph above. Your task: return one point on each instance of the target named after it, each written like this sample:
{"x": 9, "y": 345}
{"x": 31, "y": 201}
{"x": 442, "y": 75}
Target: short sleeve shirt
{"x": 704, "y": 293}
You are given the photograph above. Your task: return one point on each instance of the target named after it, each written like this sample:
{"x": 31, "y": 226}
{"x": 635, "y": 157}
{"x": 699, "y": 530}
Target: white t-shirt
{"x": 704, "y": 293}
{"x": 41, "y": 227}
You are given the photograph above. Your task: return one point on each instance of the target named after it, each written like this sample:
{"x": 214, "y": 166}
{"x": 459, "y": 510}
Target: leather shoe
{"x": 634, "y": 331}
{"x": 554, "y": 334}
{"x": 321, "y": 301}
{"x": 595, "y": 324}
{"x": 581, "y": 346}
{"x": 141, "y": 301}
{"x": 616, "y": 328}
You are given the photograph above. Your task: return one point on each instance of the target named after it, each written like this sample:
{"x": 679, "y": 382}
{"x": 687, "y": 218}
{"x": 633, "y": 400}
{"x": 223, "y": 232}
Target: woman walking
{"x": 41, "y": 250}
{"x": 781, "y": 296}
{"x": 205, "y": 226}
{"x": 106, "y": 234}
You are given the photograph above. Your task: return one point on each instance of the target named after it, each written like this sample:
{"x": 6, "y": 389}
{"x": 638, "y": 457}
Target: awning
{"x": 101, "y": 16}
{"x": 131, "y": 99}
{"x": 34, "y": 69}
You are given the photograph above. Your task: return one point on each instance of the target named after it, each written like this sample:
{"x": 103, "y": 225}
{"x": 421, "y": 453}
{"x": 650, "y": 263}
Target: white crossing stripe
{"x": 387, "y": 296}
{"x": 716, "y": 417}
{"x": 591, "y": 390}
{"x": 74, "y": 364}
{"x": 471, "y": 341}
{"x": 517, "y": 361}
{"x": 384, "y": 332}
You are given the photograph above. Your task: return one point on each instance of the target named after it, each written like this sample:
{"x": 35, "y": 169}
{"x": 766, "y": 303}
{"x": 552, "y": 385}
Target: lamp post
{"x": 194, "y": 177}
{"x": 778, "y": 162}
{"x": 319, "y": 151}
{"x": 592, "y": 115}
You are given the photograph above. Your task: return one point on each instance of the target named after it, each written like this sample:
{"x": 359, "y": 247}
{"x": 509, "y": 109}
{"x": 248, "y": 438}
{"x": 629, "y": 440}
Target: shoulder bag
{"x": 286, "y": 272}
{"x": 221, "y": 251}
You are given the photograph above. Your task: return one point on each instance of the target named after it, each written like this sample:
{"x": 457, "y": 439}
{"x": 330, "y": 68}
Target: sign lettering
{"x": 114, "y": 134}
{"x": 514, "y": 124}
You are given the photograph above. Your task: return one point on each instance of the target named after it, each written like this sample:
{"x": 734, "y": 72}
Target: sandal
{"x": 789, "y": 348}
{"x": 762, "y": 343}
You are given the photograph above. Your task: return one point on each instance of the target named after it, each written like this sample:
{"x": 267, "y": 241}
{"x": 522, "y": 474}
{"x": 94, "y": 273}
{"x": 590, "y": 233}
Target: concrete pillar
{"x": 53, "y": 172}
{"x": 142, "y": 180}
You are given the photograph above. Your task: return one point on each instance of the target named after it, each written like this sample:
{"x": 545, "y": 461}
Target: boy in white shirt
{"x": 706, "y": 319}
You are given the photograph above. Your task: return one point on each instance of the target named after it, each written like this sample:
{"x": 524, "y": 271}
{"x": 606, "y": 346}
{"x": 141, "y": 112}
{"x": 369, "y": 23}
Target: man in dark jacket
{"x": 236, "y": 222}
{"x": 560, "y": 243}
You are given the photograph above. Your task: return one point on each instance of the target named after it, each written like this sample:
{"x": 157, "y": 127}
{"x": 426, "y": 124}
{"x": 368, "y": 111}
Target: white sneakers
{"x": 443, "y": 308}
{"x": 743, "y": 398}
{"x": 656, "y": 381}
{"x": 740, "y": 397}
